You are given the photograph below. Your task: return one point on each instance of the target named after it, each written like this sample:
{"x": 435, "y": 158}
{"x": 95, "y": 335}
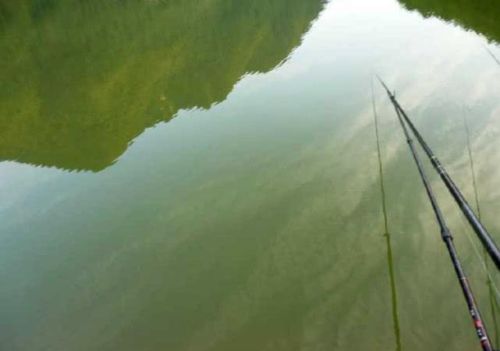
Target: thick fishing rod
{"x": 448, "y": 240}
{"x": 482, "y": 233}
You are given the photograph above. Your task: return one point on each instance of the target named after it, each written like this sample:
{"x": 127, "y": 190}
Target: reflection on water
{"x": 480, "y": 16}
{"x": 493, "y": 56}
{"x": 82, "y": 79}
{"x": 253, "y": 222}
{"x": 387, "y": 234}
{"x": 494, "y": 310}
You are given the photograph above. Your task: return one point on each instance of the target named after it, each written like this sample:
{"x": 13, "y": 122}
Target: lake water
{"x": 191, "y": 175}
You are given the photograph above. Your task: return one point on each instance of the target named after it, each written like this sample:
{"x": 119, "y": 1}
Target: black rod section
{"x": 483, "y": 235}
{"x": 448, "y": 240}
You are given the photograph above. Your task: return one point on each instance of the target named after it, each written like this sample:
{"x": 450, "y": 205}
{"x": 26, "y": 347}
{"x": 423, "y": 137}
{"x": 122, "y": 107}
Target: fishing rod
{"x": 473, "y": 220}
{"x": 448, "y": 240}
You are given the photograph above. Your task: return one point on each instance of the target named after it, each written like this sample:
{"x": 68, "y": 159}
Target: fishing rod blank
{"x": 448, "y": 240}
{"x": 485, "y": 237}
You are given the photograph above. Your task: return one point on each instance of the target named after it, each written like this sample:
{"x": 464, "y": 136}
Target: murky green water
{"x": 202, "y": 174}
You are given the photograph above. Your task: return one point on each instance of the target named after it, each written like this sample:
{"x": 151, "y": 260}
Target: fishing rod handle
{"x": 477, "y": 320}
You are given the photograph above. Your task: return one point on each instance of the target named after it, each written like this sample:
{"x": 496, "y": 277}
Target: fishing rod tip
{"x": 383, "y": 84}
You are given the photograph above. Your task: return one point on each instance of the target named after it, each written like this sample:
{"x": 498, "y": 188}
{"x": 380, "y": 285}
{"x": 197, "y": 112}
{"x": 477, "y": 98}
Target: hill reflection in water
{"x": 480, "y": 16}
{"x": 82, "y": 79}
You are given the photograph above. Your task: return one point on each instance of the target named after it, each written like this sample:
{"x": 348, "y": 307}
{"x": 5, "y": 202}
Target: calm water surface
{"x": 202, "y": 174}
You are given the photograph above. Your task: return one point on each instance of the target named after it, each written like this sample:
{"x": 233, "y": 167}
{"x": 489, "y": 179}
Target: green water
{"x": 202, "y": 174}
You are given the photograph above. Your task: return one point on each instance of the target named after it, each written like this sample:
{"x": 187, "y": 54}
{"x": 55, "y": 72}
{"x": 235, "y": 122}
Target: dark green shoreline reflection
{"x": 82, "y": 79}
{"x": 480, "y": 16}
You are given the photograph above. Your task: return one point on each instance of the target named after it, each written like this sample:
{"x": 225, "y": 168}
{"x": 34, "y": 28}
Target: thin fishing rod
{"x": 387, "y": 235}
{"x": 448, "y": 240}
{"x": 473, "y": 220}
